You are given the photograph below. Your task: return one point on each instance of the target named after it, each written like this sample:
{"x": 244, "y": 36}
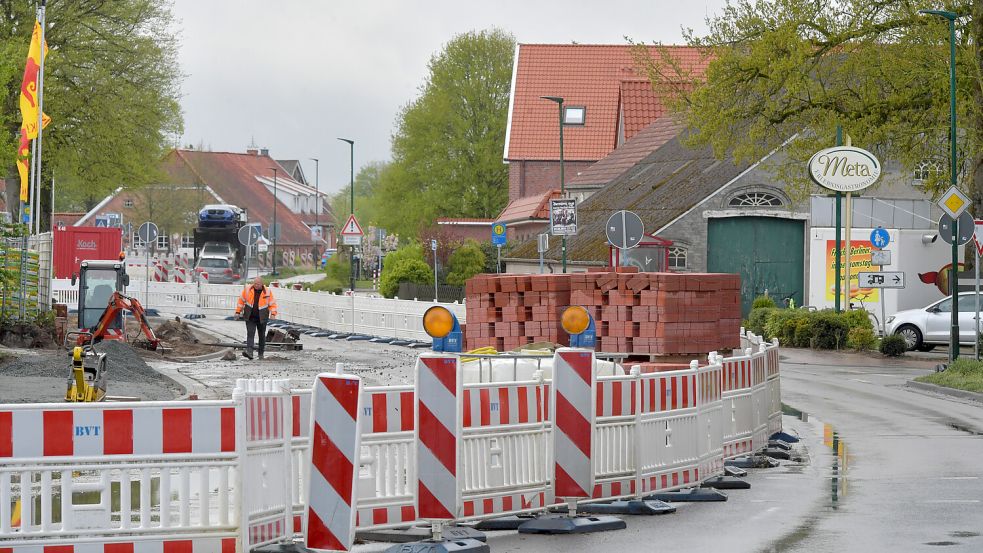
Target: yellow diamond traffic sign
{"x": 953, "y": 202}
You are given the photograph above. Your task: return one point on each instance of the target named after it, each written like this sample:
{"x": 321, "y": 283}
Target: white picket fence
{"x": 390, "y": 318}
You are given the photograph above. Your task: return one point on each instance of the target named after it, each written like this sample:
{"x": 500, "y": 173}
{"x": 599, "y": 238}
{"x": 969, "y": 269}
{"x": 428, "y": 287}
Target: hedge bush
{"x": 803, "y": 328}
{"x": 757, "y": 319}
{"x": 763, "y": 301}
{"x": 861, "y": 339}
{"x": 893, "y": 346}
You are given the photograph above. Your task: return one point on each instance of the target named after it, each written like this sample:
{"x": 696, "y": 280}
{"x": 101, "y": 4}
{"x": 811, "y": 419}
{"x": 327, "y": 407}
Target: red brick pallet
{"x": 639, "y": 313}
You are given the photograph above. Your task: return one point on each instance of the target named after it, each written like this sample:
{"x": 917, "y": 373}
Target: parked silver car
{"x": 927, "y": 327}
{"x": 219, "y": 270}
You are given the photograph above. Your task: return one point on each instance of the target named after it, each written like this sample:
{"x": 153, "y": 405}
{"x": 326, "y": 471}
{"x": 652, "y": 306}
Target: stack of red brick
{"x": 639, "y": 313}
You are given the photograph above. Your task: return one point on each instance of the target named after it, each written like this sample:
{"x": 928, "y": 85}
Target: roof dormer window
{"x": 574, "y": 115}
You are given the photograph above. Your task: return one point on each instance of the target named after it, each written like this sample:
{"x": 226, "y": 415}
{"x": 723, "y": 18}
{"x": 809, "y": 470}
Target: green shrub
{"x": 762, "y": 301}
{"x": 758, "y": 318}
{"x": 857, "y": 318}
{"x": 804, "y": 333}
{"x": 861, "y": 339}
{"x": 781, "y": 324}
{"x": 465, "y": 262}
{"x": 407, "y": 270}
{"x": 893, "y": 346}
{"x": 830, "y": 330}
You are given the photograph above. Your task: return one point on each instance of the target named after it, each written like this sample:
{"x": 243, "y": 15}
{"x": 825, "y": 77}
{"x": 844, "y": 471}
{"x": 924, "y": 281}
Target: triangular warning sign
{"x": 352, "y": 228}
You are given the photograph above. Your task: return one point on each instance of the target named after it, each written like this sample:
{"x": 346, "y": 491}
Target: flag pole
{"x": 36, "y": 185}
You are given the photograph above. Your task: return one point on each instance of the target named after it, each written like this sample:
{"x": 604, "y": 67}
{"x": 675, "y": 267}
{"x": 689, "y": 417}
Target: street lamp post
{"x": 317, "y": 198}
{"x": 274, "y": 232}
{"x": 563, "y": 189}
{"x": 351, "y": 144}
{"x": 954, "y": 277}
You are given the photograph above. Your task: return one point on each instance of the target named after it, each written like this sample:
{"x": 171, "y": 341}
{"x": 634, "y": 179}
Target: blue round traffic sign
{"x": 879, "y": 238}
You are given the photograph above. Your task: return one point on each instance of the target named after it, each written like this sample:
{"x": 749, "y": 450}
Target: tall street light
{"x": 563, "y": 189}
{"x": 317, "y": 198}
{"x": 954, "y": 281}
{"x": 274, "y": 232}
{"x": 351, "y": 144}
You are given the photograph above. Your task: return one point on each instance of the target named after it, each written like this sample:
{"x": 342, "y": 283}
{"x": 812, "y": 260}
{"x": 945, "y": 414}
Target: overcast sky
{"x": 297, "y": 74}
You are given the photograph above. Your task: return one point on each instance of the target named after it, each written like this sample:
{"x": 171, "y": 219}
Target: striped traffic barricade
{"x": 773, "y": 385}
{"x": 334, "y": 463}
{"x": 759, "y": 395}
{"x": 738, "y": 406}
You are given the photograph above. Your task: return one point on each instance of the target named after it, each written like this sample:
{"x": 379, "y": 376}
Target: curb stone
{"x": 945, "y": 391}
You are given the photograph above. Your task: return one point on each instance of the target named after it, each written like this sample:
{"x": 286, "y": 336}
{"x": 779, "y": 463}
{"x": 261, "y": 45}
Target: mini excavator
{"x": 101, "y": 306}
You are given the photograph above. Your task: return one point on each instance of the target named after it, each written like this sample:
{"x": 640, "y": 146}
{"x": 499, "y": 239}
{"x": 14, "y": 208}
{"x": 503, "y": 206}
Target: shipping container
{"x": 76, "y": 244}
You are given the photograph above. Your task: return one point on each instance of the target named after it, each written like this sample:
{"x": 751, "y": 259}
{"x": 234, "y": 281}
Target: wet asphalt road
{"x": 914, "y": 480}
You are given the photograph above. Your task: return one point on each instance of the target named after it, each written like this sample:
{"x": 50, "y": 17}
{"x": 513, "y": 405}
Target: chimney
{"x": 264, "y": 152}
{"x": 252, "y": 151}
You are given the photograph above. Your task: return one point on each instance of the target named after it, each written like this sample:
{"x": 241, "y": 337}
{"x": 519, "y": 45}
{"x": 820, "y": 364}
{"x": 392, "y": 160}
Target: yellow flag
{"x": 29, "y": 86}
{"x": 23, "y": 153}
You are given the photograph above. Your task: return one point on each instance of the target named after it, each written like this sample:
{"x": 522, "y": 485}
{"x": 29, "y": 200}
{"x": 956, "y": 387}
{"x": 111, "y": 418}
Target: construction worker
{"x": 256, "y": 306}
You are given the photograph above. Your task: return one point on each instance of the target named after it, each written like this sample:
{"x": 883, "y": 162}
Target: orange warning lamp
{"x": 580, "y": 326}
{"x": 443, "y": 327}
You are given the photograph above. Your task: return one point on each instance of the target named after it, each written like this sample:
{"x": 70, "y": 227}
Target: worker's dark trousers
{"x": 252, "y": 326}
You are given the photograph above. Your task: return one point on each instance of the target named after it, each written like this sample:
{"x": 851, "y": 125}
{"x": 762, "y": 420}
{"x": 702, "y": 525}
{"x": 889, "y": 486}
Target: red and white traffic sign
{"x": 352, "y": 228}
{"x": 978, "y": 236}
{"x": 351, "y": 233}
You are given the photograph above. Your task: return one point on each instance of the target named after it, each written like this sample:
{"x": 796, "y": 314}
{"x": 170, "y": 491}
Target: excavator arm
{"x": 119, "y": 302}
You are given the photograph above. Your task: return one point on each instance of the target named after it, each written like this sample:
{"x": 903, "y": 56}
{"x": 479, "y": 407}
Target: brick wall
{"x": 528, "y": 178}
{"x": 664, "y": 314}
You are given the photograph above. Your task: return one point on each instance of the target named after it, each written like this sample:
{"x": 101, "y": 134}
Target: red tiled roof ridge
{"x": 597, "y": 45}
{"x": 624, "y": 157}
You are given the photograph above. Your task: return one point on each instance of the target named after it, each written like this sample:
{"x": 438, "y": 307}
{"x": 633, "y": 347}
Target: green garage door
{"x": 766, "y": 251}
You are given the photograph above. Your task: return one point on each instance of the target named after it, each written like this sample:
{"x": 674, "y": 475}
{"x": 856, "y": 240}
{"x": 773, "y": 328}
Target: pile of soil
{"x": 175, "y": 331}
{"x": 179, "y": 339}
{"x": 41, "y": 376}
{"x": 27, "y": 335}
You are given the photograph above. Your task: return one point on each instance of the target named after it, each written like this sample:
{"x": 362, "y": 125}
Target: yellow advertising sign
{"x": 860, "y": 251}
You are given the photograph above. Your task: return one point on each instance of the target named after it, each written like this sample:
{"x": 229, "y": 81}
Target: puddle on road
{"x": 841, "y": 463}
{"x": 962, "y": 428}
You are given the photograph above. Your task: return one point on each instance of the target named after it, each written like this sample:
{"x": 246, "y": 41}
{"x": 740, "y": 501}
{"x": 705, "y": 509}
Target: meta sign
{"x": 844, "y": 168}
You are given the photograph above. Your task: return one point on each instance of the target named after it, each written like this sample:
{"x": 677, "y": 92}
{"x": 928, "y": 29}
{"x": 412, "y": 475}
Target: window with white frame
{"x": 756, "y": 199}
{"x": 187, "y": 241}
{"x": 136, "y": 241}
{"x": 574, "y": 115}
{"x": 128, "y": 203}
{"x": 677, "y": 257}
{"x": 925, "y": 169}
{"x": 162, "y": 241}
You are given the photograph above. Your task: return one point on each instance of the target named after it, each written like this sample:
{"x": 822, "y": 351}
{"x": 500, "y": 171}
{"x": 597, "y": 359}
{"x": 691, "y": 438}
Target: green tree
{"x": 407, "y": 270}
{"x": 796, "y": 68}
{"x": 447, "y": 147}
{"x": 465, "y": 262}
{"x": 111, "y": 87}
{"x": 366, "y": 183}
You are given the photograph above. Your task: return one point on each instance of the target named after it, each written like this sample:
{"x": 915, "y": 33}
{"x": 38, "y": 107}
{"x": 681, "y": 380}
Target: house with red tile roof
{"x": 607, "y": 101}
{"x": 247, "y": 180}
{"x": 464, "y": 228}
{"x": 526, "y": 217}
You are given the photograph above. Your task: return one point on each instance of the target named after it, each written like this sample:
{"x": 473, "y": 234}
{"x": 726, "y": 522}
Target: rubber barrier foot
{"x": 442, "y": 546}
{"x": 561, "y": 524}
{"x": 727, "y": 483}
{"x": 399, "y": 343}
{"x": 281, "y": 548}
{"x": 779, "y": 444}
{"x": 627, "y": 507}
{"x": 420, "y": 344}
{"x": 357, "y": 337}
{"x": 692, "y": 494}
{"x": 735, "y": 472}
{"x": 785, "y": 437}
{"x": 752, "y": 462}
{"x": 380, "y": 340}
{"x": 512, "y": 522}
{"x": 421, "y": 534}
{"x": 339, "y": 336}
{"x": 321, "y": 334}
{"x": 776, "y": 453}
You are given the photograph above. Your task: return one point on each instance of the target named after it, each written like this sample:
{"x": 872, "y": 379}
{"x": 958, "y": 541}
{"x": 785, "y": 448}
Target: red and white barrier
{"x": 773, "y": 385}
{"x": 438, "y": 416}
{"x": 573, "y": 436}
{"x": 738, "y": 406}
{"x": 331, "y": 510}
{"x": 710, "y": 424}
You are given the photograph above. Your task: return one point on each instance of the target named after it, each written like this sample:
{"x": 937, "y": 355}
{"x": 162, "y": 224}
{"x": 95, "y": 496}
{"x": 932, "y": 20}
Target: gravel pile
{"x": 41, "y": 375}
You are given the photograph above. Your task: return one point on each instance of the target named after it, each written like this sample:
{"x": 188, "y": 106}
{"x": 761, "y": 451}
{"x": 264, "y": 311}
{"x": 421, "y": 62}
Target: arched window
{"x": 756, "y": 199}
{"x": 925, "y": 169}
{"x": 677, "y": 257}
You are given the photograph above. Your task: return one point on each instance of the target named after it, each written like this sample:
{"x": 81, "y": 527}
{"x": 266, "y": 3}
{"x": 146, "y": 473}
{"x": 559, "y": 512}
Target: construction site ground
{"x": 190, "y": 367}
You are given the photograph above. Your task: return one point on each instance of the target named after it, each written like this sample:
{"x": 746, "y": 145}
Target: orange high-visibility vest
{"x": 267, "y": 304}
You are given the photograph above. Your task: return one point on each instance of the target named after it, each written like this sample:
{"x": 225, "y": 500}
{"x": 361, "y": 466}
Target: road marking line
{"x": 952, "y": 501}
{"x": 959, "y": 478}
{"x": 859, "y": 380}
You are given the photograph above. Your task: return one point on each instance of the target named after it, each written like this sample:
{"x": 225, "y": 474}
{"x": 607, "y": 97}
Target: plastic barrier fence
{"x": 195, "y": 477}
{"x": 738, "y": 406}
